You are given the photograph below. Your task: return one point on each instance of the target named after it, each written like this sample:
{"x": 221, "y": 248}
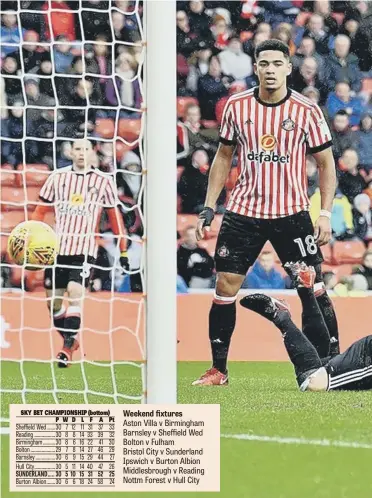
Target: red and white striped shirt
{"x": 272, "y": 142}
{"x": 78, "y": 199}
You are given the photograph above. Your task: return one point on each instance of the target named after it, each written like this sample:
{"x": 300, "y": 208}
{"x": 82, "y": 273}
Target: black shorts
{"x": 241, "y": 240}
{"x": 59, "y": 276}
{"x": 352, "y": 370}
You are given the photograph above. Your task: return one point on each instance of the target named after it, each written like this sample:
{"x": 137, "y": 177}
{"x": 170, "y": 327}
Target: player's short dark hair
{"x": 272, "y": 45}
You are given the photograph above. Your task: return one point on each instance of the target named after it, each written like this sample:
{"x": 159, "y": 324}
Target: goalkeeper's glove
{"x": 205, "y": 219}
{"x": 207, "y": 216}
{"x": 124, "y": 261}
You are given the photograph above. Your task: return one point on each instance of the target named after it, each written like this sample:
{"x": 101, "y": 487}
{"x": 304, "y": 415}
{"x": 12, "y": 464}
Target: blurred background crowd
{"x": 76, "y": 66}
{"x": 330, "y": 45}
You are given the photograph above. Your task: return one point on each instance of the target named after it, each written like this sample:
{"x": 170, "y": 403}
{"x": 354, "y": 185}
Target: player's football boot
{"x": 64, "y": 357}
{"x": 264, "y": 305}
{"x": 301, "y": 274}
{"x": 212, "y": 377}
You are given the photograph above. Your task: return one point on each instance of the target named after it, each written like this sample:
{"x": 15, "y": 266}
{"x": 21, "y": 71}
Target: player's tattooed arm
{"x": 217, "y": 178}
{"x": 327, "y": 186}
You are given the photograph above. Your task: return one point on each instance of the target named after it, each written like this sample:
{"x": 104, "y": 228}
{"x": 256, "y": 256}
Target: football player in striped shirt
{"x": 272, "y": 128}
{"x": 315, "y": 369}
{"x": 78, "y": 194}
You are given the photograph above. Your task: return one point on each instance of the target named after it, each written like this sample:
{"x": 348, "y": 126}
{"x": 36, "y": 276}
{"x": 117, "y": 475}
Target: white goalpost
{"x": 153, "y": 326}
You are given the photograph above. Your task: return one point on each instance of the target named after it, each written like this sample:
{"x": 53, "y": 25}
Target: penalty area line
{"x": 295, "y": 440}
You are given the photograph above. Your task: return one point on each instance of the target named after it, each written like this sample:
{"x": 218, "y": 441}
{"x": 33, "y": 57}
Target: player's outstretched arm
{"x": 217, "y": 178}
{"x": 40, "y": 212}
{"x": 327, "y": 185}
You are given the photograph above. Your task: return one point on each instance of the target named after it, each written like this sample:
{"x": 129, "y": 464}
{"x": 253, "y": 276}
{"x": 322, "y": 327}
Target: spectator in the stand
{"x": 263, "y": 274}
{"x": 350, "y": 27}
{"x": 197, "y": 66}
{"x": 363, "y": 39}
{"x": 35, "y": 98}
{"x": 365, "y": 268}
{"x": 221, "y": 32}
{"x": 211, "y": 88}
{"x": 342, "y": 66}
{"x": 193, "y": 183}
{"x": 342, "y": 99}
{"x": 284, "y": 33}
{"x": 364, "y": 142}
{"x": 260, "y": 36}
{"x": 234, "y": 62}
{"x": 312, "y": 93}
{"x": 236, "y": 87}
{"x": 63, "y": 23}
{"x": 363, "y": 218}
{"x": 188, "y": 41}
{"x": 128, "y": 177}
{"x": 199, "y": 20}
{"x": 63, "y": 53}
{"x": 76, "y": 120}
{"x": 45, "y": 69}
{"x": 97, "y": 22}
{"x": 330, "y": 280}
{"x": 194, "y": 264}
{"x": 10, "y": 33}
{"x": 101, "y": 60}
{"x": 342, "y": 135}
{"x": 197, "y": 135}
{"x": 31, "y": 53}
{"x": 279, "y": 12}
{"x": 351, "y": 180}
{"x": 307, "y": 75}
{"x": 307, "y": 49}
{"x": 315, "y": 29}
{"x": 12, "y": 152}
{"x": 13, "y": 85}
{"x": 126, "y": 70}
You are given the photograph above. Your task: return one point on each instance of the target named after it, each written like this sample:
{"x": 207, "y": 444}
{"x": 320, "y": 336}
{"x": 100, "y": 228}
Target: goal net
{"x": 75, "y": 70}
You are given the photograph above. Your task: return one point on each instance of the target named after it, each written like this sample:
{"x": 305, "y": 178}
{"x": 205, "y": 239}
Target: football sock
{"x": 326, "y": 307}
{"x": 301, "y": 352}
{"x": 222, "y": 318}
{"x": 313, "y": 324}
{"x": 59, "y": 319}
{"x": 72, "y": 325}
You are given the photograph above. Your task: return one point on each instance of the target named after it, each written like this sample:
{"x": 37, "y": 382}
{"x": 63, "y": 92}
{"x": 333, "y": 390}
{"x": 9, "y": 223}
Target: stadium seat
{"x": 32, "y": 174}
{"x": 11, "y": 220}
{"x": 367, "y": 85}
{"x": 121, "y": 149}
{"x": 105, "y": 128}
{"x": 7, "y": 175}
{"x": 350, "y": 252}
{"x": 129, "y": 129}
{"x": 4, "y": 243}
{"x": 12, "y": 199}
{"x": 327, "y": 254}
{"x": 182, "y": 103}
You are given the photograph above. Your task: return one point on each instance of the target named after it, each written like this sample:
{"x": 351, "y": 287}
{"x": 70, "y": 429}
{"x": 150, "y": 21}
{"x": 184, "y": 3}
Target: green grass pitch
{"x": 262, "y": 400}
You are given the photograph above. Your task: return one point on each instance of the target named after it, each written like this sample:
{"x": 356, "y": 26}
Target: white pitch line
{"x": 295, "y": 440}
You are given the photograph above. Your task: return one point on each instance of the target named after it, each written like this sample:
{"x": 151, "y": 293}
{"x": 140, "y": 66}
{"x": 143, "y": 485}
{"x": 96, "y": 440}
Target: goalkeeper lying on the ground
{"x": 314, "y": 369}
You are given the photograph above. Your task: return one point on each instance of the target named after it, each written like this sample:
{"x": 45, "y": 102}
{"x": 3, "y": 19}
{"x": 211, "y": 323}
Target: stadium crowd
{"x": 331, "y": 52}
{"x": 74, "y": 70}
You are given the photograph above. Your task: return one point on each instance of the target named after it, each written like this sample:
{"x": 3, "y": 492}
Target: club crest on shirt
{"x": 288, "y": 124}
{"x": 268, "y": 142}
{"x": 76, "y": 199}
{"x": 223, "y": 252}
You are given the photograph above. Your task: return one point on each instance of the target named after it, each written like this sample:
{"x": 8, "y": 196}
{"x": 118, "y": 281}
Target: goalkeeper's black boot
{"x": 64, "y": 357}
{"x": 264, "y": 305}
